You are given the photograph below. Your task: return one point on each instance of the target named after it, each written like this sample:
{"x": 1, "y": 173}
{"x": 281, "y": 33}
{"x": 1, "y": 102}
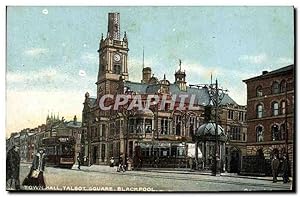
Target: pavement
{"x": 104, "y": 168}
{"x": 105, "y": 178}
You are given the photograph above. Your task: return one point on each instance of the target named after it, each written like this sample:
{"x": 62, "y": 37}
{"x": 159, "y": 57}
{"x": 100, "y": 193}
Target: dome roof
{"x": 209, "y": 129}
{"x": 145, "y": 112}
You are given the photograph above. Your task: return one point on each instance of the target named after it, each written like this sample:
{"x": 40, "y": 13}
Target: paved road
{"x": 107, "y": 179}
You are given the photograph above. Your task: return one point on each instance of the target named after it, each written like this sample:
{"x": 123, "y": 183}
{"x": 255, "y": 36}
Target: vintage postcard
{"x": 150, "y": 99}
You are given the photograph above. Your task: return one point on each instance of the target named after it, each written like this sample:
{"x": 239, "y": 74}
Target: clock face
{"x": 117, "y": 57}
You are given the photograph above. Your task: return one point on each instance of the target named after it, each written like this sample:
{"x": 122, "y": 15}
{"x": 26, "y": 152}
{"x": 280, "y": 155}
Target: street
{"x": 104, "y": 178}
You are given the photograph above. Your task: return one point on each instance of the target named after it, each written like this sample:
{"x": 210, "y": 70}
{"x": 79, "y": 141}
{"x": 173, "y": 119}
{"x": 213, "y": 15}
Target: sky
{"x": 52, "y": 58}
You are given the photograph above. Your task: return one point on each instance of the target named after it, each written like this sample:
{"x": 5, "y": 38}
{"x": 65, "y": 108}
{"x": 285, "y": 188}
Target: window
{"x": 259, "y": 91}
{"x": 131, "y": 125}
{"x": 241, "y": 116}
{"x": 276, "y": 135}
{"x": 275, "y": 109}
{"x": 164, "y": 126}
{"x": 244, "y": 137}
{"x": 259, "y": 111}
{"x": 235, "y": 133}
{"x": 117, "y": 69}
{"x": 283, "y": 131}
{"x": 283, "y": 86}
{"x": 230, "y": 114}
{"x": 275, "y": 88}
{"x": 283, "y": 107}
{"x": 259, "y": 134}
{"x": 178, "y": 129}
{"x": 148, "y": 125}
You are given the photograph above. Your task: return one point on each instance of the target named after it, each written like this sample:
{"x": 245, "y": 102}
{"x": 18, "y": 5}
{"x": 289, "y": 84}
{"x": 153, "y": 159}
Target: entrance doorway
{"x": 95, "y": 155}
{"x": 235, "y": 161}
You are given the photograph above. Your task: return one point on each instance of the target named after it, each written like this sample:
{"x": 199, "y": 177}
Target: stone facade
{"x": 152, "y": 134}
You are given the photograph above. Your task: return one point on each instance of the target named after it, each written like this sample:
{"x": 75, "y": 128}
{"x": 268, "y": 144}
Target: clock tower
{"x": 113, "y": 53}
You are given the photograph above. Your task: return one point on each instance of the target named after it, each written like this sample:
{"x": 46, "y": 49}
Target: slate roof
{"x": 272, "y": 73}
{"x": 202, "y": 96}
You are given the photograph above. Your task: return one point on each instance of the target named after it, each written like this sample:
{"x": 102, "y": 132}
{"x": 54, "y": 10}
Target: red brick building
{"x": 270, "y": 113}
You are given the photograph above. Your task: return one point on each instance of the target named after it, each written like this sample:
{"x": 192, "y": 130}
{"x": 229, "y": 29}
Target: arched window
{"x": 283, "y": 86}
{"x": 259, "y": 111}
{"x": 282, "y": 131}
{"x": 259, "y": 134}
{"x": 276, "y": 135}
{"x": 275, "y": 108}
{"x": 275, "y": 88}
{"x": 178, "y": 129}
{"x": 283, "y": 107}
{"x": 259, "y": 91}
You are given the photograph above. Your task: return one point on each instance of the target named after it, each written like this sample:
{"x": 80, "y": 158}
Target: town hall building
{"x": 151, "y": 138}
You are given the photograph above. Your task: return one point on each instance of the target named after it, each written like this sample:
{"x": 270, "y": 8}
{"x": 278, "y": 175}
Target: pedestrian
{"x": 13, "y": 168}
{"x": 275, "y": 166}
{"x": 112, "y": 162}
{"x": 121, "y": 166}
{"x": 79, "y": 160}
{"x": 36, "y": 173}
{"x": 285, "y": 169}
{"x": 191, "y": 163}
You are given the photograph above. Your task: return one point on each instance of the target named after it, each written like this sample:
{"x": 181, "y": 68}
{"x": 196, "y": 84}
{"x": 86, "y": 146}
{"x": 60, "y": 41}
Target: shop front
{"x": 160, "y": 154}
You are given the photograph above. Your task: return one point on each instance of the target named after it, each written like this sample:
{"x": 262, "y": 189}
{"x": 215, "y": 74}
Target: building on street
{"x": 153, "y": 137}
{"x": 270, "y": 114}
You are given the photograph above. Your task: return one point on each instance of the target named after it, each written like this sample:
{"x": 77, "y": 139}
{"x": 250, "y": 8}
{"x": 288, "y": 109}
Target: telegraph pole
{"x": 216, "y": 130}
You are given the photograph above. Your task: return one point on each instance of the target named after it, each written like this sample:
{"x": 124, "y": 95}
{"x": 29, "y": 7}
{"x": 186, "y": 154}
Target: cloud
{"x": 35, "y": 51}
{"x": 285, "y": 61}
{"x": 45, "y": 74}
{"x": 253, "y": 59}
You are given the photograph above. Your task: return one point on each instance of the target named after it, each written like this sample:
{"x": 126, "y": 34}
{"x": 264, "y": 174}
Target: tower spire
{"x": 180, "y": 64}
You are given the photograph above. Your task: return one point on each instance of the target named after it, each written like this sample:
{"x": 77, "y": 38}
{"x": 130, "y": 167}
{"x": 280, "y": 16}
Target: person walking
{"x": 191, "y": 163}
{"x": 275, "y": 166}
{"x": 121, "y": 166}
{"x": 13, "y": 168}
{"x": 36, "y": 173}
{"x": 112, "y": 162}
{"x": 79, "y": 160}
{"x": 285, "y": 169}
